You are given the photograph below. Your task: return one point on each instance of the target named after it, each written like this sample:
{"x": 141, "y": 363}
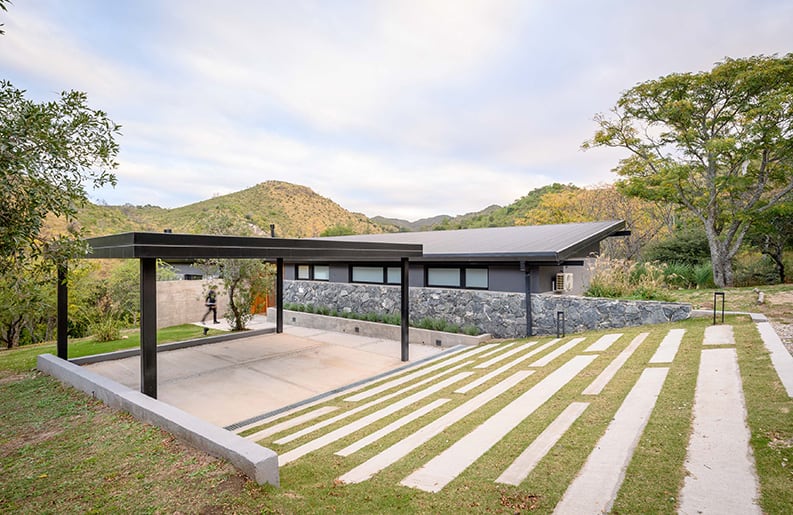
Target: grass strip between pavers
{"x": 62, "y": 452}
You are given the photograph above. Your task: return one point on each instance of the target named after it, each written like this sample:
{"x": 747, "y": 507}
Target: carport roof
{"x": 200, "y": 246}
{"x": 536, "y": 243}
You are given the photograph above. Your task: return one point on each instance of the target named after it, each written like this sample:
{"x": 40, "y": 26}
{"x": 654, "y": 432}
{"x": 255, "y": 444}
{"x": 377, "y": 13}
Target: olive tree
{"x": 243, "y": 280}
{"x": 718, "y": 144}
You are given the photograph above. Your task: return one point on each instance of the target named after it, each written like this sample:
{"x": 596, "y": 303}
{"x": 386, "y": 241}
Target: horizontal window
{"x": 303, "y": 272}
{"x": 367, "y": 274}
{"x": 394, "y": 275}
{"x": 313, "y": 272}
{"x": 376, "y": 274}
{"x": 475, "y": 278}
{"x": 444, "y": 277}
{"x": 321, "y": 273}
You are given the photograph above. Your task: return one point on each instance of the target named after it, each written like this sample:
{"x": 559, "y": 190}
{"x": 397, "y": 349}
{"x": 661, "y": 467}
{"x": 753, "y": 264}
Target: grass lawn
{"x": 778, "y": 304}
{"x": 61, "y": 451}
{"x": 23, "y": 359}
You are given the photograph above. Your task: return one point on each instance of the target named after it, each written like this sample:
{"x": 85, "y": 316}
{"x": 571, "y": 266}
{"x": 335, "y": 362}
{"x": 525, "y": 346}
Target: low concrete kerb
{"x": 257, "y": 462}
{"x": 704, "y": 313}
{"x": 128, "y": 353}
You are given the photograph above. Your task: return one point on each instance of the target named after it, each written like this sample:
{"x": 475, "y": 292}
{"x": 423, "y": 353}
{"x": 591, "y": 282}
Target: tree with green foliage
{"x": 685, "y": 245}
{"x": 244, "y": 280}
{"x": 27, "y": 299}
{"x": 719, "y": 144}
{"x": 48, "y": 153}
{"x": 772, "y": 234}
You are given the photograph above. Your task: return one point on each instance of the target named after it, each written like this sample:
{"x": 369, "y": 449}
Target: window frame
{"x": 311, "y": 273}
{"x": 384, "y": 268}
{"x": 463, "y": 281}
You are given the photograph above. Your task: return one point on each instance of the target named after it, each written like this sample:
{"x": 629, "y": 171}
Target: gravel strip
{"x": 785, "y": 332}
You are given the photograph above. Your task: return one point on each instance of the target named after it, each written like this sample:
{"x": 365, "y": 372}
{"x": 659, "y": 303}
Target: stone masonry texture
{"x": 501, "y": 314}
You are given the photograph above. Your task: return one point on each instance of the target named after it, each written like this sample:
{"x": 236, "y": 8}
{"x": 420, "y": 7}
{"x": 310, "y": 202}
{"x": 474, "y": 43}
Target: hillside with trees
{"x": 297, "y": 212}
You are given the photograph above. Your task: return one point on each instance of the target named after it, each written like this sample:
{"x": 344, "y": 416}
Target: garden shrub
{"x": 106, "y": 329}
{"x": 703, "y": 276}
{"x": 688, "y": 246}
{"x": 753, "y": 270}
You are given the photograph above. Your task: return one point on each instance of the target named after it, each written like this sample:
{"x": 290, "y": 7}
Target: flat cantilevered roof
{"x": 200, "y": 246}
{"x": 537, "y": 243}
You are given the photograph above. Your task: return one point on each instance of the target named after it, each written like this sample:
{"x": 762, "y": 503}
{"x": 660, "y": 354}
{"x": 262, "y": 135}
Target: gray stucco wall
{"x": 501, "y": 314}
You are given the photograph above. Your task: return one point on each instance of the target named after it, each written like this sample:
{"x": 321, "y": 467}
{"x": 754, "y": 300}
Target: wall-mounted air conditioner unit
{"x": 564, "y": 282}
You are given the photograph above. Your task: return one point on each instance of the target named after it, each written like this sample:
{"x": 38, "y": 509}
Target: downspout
{"x": 529, "y": 321}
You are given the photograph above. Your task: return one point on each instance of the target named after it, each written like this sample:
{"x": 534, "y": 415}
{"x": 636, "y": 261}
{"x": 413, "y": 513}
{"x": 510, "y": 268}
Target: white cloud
{"x": 408, "y": 108}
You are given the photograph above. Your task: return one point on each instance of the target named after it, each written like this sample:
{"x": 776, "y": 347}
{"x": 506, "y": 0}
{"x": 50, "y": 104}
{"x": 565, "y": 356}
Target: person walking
{"x": 211, "y": 302}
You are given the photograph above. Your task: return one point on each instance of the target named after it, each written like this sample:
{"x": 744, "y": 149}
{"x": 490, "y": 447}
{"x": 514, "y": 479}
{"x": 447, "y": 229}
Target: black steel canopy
{"x": 147, "y": 247}
{"x": 201, "y": 246}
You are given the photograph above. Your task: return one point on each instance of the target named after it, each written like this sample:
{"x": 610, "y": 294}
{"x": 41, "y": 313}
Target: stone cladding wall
{"x": 501, "y": 314}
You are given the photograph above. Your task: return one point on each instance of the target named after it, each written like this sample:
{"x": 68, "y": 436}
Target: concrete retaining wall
{"x": 257, "y": 462}
{"x": 376, "y": 330}
{"x": 501, "y": 314}
{"x": 182, "y": 302}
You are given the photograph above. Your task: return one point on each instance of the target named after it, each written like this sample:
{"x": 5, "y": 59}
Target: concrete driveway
{"x": 228, "y": 382}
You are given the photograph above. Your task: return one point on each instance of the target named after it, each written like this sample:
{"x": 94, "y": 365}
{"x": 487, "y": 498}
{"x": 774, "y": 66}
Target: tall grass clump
{"x": 703, "y": 276}
{"x": 106, "y": 329}
{"x": 620, "y": 278}
{"x": 609, "y": 278}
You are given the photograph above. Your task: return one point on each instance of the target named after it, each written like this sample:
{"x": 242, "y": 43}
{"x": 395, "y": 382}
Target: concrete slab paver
{"x": 721, "y": 473}
{"x": 371, "y": 392}
{"x": 500, "y": 370}
{"x": 498, "y": 347}
{"x": 669, "y": 346}
{"x": 449, "y": 464}
{"x": 504, "y": 355}
{"x": 719, "y": 335}
{"x": 528, "y": 459}
{"x": 611, "y": 370}
{"x": 292, "y": 422}
{"x": 603, "y": 343}
{"x": 362, "y": 407}
{"x": 390, "y": 428}
{"x": 596, "y": 485}
{"x": 556, "y": 353}
{"x": 780, "y": 357}
{"x": 337, "y": 434}
{"x": 404, "y": 447}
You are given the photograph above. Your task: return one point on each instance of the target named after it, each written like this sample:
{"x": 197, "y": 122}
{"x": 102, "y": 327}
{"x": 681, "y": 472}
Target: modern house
{"x": 505, "y": 281}
{"x": 520, "y": 259}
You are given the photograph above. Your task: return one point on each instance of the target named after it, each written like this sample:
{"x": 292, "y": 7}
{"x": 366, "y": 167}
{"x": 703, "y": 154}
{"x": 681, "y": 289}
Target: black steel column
{"x": 148, "y": 326}
{"x": 405, "y": 285}
{"x": 279, "y": 295}
{"x": 529, "y": 321}
{"x": 63, "y": 312}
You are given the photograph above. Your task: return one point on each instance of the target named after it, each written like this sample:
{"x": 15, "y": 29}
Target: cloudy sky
{"x": 399, "y": 108}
